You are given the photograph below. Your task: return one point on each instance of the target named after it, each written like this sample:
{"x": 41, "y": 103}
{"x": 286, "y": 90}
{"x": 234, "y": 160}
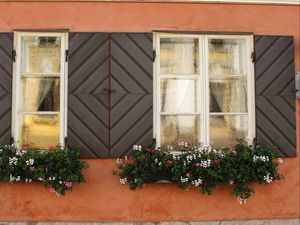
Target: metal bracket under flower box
{"x": 297, "y": 83}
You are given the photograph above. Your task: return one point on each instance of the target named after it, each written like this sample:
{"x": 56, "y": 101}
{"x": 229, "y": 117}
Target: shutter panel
{"x": 88, "y": 111}
{"x": 132, "y": 102}
{"x": 275, "y": 93}
{"x": 6, "y": 65}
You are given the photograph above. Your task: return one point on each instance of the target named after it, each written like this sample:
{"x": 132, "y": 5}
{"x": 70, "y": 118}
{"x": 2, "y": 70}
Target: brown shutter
{"x": 88, "y": 114}
{"x": 132, "y": 100}
{"x": 275, "y": 93}
{"x": 6, "y": 64}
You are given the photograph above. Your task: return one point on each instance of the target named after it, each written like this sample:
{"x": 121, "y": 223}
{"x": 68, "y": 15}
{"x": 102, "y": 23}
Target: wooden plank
{"x": 275, "y": 93}
{"x": 6, "y": 65}
{"x": 88, "y": 104}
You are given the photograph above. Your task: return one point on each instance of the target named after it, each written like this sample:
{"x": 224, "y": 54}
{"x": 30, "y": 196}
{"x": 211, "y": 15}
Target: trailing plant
{"x": 203, "y": 166}
{"x": 58, "y": 168}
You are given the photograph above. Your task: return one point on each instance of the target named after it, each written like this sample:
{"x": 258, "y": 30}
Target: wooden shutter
{"x": 275, "y": 93}
{"x": 131, "y": 117}
{"x": 88, "y": 113}
{"x": 6, "y": 64}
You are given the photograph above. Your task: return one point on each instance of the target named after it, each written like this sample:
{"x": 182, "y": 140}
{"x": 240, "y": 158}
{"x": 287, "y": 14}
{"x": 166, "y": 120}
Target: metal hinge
{"x": 14, "y": 55}
{"x": 67, "y": 55}
{"x": 65, "y": 141}
{"x": 297, "y": 85}
{"x": 253, "y": 56}
{"x": 153, "y": 55}
{"x": 12, "y": 140}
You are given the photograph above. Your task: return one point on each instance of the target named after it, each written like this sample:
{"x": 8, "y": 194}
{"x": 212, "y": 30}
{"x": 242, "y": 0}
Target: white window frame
{"x": 204, "y": 84}
{"x": 63, "y": 84}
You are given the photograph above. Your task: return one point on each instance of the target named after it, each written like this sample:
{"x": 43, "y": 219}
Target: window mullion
{"x": 205, "y": 87}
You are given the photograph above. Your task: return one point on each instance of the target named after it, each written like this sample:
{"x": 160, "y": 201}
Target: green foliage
{"x": 204, "y": 167}
{"x": 57, "y": 168}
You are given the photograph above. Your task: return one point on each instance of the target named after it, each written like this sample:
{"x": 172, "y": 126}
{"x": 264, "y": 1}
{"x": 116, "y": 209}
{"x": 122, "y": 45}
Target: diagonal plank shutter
{"x": 131, "y": 117}
{"x": 275, "y": 93}
{"x": 6, "y": 65}
{"x": 88, "y": 114}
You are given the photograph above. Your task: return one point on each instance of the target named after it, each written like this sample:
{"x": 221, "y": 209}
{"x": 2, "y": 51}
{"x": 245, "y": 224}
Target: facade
{"x": 105, "y": 75}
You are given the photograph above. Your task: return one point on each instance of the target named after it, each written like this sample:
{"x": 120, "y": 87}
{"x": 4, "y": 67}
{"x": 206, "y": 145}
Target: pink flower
{"x": 32, "y": 168}
{"x": 52, "y": 190}
{"x": 198, "y": 164}
{"x": 216, "y": 161}
{"x": 51, "y": 147}
{"x": 153, "y": 151}
{"x": 148, "y": 150}
{"x": 169, "y": 162}
{"x": 232, "y": 150}
{"x": 187, "y": 174}
{"x": 68, "y": 184}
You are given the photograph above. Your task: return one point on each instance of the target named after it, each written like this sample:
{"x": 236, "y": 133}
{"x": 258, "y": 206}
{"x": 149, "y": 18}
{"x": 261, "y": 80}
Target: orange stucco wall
{"x": 102, "y": 198}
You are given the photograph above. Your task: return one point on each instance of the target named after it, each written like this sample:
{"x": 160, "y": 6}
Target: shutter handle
{"x": 109, "y": 91}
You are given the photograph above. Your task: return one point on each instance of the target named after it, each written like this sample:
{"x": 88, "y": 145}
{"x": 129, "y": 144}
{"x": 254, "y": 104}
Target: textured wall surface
{"x": 236, "y": 222}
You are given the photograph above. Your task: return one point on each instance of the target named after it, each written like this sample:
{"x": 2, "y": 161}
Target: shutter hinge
{"x": 12, "y": 140}
{"x": 14, "y": 55}
{"x": 67, "y": 55}
{"x": 253, "y": 56}
{"x": 153, "y": 55}
{"x": 65, "y": 141}
{"x": 297, "y": 85}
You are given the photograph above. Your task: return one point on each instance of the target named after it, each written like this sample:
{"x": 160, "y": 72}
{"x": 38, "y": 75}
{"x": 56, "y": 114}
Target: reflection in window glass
{"x": 179, "y": 55}
{"x": 40, "y": 94}
{"x": 227, "y": 57}
{"x": 179, "y": 128}
{"x": 40, "y": 54}
{"x": 179, "y": 95}
{"x": 39, "y": 130}
{"x": 228, "y": 94}
{"x": 225, "y": 130}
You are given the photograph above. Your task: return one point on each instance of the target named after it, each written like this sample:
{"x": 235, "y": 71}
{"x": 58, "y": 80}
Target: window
{"x": 204, "y": 89}
{"x": 39, "y": 88}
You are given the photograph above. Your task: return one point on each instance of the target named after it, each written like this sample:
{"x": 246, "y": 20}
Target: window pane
{"x": 228, "y": 94}
{"x": 39, "y": 130}
{"x": 40, "y": 54}
{"x": 225, "y": 130}
{"x": 227, "y": 57}
{"x": 179, "y": 55}
{"x": 179, "y": 128}
{"x": 179, "y": 95}
{"x": 40, "y": 94}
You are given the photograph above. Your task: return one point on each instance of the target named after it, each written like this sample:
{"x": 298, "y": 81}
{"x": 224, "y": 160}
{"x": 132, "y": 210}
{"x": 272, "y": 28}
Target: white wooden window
{"x": 204, "y": 89}
{"x": 39, "y": 89}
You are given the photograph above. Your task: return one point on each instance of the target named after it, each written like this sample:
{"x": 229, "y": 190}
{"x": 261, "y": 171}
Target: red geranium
{"x": 169, "y": 162}
{"x": 216, "y": 161}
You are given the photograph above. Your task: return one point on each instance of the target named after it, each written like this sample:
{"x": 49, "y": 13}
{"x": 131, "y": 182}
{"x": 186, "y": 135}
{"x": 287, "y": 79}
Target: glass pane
{"x": 178, "y": 128}
{"x": 228, "y": 95}
{"x": 225, "y": 130}
{"x": 227, "y": 57}
{"x": 179, "y": 95}
{"x": 39, "y": 130}
{"x": 40, "y": 54}
{"x": 40, "y": 94}
{"x": 179, "y": 55}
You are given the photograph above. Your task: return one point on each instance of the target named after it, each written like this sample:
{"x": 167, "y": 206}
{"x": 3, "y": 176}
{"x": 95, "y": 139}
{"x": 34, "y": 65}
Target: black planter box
{"x": 159, "y": 177}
